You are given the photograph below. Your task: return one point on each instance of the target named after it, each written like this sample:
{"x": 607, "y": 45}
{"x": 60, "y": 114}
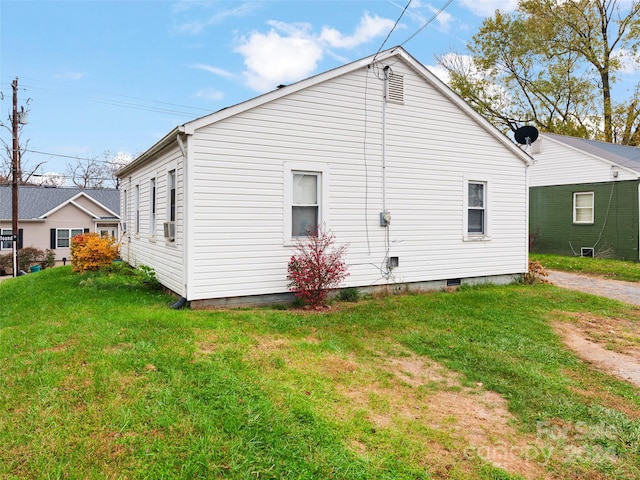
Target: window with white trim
{"x": 6, "y": 244}
{"x": 583, "y": 207}
{"x": 64, "y": 236}
{"x": 305, "y": 205}
{"x": 137, "y": 200}
{"x": 152, "y": 209}
{"x": 306, "y": 199}
{"x": 476, "y": 208}
{"x": 172, "y": 195}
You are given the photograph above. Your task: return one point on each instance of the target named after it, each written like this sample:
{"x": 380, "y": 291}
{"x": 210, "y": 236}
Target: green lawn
{"x": 101, "y": 379}
{"x": 609, "y": 268}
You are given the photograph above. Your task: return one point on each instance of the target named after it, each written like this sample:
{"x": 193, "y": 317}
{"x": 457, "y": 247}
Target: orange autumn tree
{"x": 90, "y": 251}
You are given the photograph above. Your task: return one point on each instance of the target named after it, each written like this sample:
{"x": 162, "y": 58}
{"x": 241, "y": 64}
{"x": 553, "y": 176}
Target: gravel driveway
{"x": 628, "y": 292}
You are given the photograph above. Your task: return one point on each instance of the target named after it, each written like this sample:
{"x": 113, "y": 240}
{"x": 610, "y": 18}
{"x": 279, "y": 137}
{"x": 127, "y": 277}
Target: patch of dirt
{"x": 479, "y": 418}
{"x": 611, "y": 345}
{"x": 448, "y": 426}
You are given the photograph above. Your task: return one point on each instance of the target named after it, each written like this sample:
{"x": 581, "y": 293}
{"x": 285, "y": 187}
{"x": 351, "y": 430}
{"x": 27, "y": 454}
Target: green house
{"x": 584, "y": 198}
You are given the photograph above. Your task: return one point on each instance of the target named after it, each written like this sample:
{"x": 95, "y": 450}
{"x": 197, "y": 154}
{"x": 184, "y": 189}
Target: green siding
{"x": 614, "y": 232}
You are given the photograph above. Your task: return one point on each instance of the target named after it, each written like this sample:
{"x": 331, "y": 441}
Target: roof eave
{"x": 160, "y": 145}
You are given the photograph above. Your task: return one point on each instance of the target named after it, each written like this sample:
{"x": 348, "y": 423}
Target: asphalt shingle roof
{"x": 623, "y": 155}
{"x": 35, "y": 201}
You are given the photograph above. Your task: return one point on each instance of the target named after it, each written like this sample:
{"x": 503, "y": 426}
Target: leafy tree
{"x": 553, "y": 64}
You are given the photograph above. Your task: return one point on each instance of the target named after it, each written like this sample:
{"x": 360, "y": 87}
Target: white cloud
{"x": 197, "y": 26}
{"x": 292, "y": 51}
{"x": 440, "y": 72}
{"x": 486, "y": 8}
{"x": 215, "y": 70}
{"x": 70, "y": 75}
{"x": 210, "y": 94}
{"x": 629, "y": 63}
{"x": 272, "y": 59}
{"x": 368, "y": 29}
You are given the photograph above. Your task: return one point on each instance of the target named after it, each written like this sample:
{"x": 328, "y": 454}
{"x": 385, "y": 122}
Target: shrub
{"x": 29, "y": 256}
{"x": 6, "y": 263}
{"x": 349, "y": 294}
{"x": 49, "y": 259}
{"x": 315, "y": 267}
{"x": 536, "y": 274}
{"x": 90, "y": 251}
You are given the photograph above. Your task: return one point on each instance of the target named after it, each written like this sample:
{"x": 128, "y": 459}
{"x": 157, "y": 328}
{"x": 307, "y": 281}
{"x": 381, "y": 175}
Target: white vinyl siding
{"x": 240, "y": 196}
{"x": 149, "y": 248}
{"x": 560, "y": 164}
{"x": 583, "y": 207}
{"x": 240, "y": 208}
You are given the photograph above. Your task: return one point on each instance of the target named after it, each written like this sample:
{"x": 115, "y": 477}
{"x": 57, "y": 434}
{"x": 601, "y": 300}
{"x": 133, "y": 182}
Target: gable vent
{"x": 395, "y": 88}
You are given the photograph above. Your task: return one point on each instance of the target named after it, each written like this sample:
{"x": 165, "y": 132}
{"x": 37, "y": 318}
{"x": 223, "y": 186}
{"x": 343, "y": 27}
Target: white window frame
{"x": 591, "y": 207}
{"x": 153, "y": 206}
{"x": 137, "y": 201}
{"x": 322, "y": 172}
{"x": 4, "y": 243}
{"x": 172, "y": 183}
{"x": 79, "y": 231}
{"x": 486, "y": 234}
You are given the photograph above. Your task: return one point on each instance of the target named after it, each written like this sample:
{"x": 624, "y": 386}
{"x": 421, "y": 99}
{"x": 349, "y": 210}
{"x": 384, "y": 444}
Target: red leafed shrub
{"x": 316, "y": 267}
{"x": 90, "y": 251}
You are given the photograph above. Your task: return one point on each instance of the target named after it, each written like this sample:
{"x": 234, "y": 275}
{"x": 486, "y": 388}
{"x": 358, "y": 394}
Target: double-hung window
{"x": 152, "y": 209}
{"x": 64, "y": 236}
{"x": 172, "y": 195}
{"x": 6, "y": 244}
{"x": 583, "y": 207}
{"x": 137, "y": 200}
{"x": 305, "y": 207}
{"x": 476, "y": 208}
{"x": 306, "y": 199}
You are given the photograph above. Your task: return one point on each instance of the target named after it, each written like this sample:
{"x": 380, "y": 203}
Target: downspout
{"x": 384, "y": 139}
{"x": 182, "y": 301}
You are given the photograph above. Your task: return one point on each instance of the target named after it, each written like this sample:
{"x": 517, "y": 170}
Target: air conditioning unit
{"x": 170, "y": 231}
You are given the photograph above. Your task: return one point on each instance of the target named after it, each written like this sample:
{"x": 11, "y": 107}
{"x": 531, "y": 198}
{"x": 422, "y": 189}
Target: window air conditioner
{"x": 170, "y": 231}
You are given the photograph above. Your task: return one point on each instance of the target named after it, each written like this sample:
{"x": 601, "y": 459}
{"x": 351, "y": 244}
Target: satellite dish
{"x": 526, "y": 135}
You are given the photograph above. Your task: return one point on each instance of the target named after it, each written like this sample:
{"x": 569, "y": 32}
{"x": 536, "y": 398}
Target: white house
{"x": 379, "y": 151}
{"x": 584, "y": 197}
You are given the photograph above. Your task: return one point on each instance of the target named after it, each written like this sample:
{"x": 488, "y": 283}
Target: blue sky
{"x": 117, "y": 76}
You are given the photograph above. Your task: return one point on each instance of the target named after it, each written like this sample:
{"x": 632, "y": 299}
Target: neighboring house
{"x": 49, "y": 216}
{"x": 584, "y": 197}
{"x": 217, "y": 205}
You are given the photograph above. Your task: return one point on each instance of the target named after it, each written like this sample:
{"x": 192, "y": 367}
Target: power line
{"x": 68, "y": 156}
{"x": 106, "y": 98}
{"x": 442, "y": 9}
{"x": 391, "y": 31}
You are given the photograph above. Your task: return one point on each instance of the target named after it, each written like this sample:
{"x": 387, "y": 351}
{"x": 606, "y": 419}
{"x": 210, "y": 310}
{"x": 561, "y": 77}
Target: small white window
{"x": 476, "y": 208}
{"x": 64, "y": 236}
{"x": 152, "y": 209}
{"x": 583, "y": 207}
{"x": 305, "y": 208}
{"x": 172, "y": 195}
{"x": 6, "y": 244}
{"x": 306, "y": 199}
{"x": 137, "y": 200}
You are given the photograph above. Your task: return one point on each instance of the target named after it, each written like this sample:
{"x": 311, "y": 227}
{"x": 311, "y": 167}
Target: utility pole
{"x": 15, "y": 168}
